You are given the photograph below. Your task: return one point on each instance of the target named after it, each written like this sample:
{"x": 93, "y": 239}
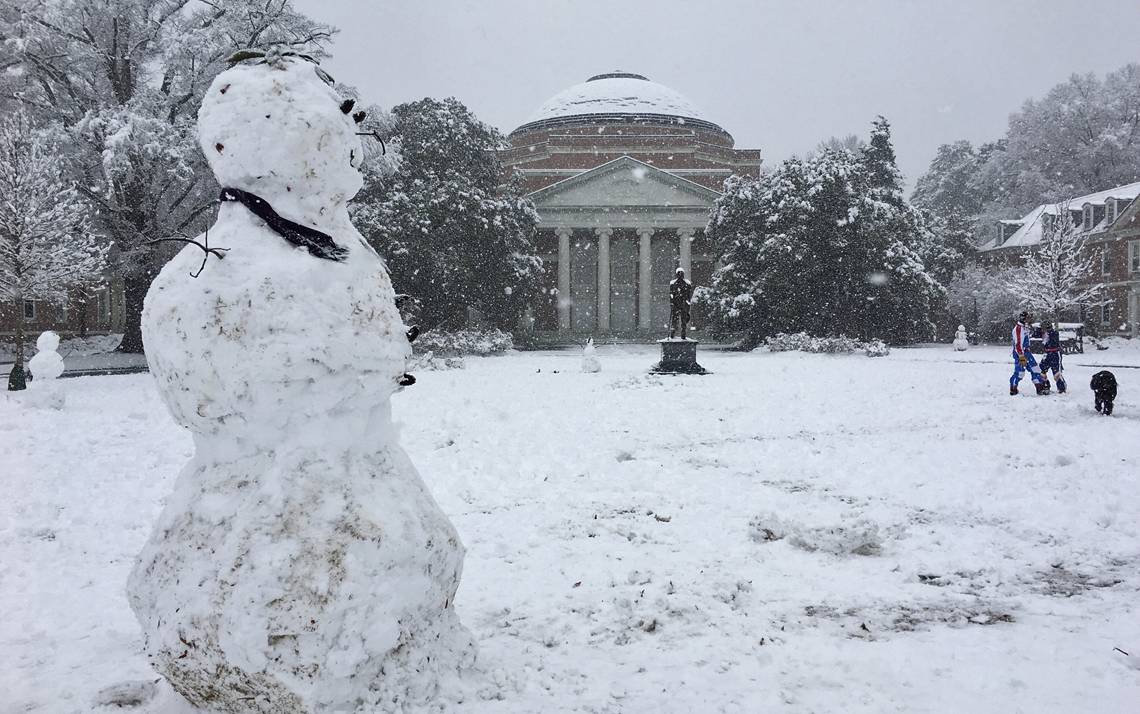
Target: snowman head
{"x": 278, "y": 130}
{"x": 48, "y": 341}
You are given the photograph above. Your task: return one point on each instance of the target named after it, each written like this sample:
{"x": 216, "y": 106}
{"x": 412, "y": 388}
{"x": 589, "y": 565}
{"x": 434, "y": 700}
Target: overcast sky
{"x": 779, "y": 76}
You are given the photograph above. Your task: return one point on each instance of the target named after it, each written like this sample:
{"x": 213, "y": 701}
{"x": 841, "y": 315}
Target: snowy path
{"x": 646, "y": 544}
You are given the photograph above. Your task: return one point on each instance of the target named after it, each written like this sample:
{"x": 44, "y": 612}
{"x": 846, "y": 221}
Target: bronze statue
{"x": 680, "y": 298}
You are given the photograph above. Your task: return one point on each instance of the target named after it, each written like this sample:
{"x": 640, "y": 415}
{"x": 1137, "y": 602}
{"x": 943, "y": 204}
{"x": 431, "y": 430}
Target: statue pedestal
{"x": 678, "y": 357}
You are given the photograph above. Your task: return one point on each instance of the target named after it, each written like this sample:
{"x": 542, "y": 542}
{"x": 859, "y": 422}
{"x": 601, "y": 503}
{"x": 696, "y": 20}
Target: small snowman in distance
{"x": 961, "y": 343}
{"x": 46, "y": 366}
{"x": 590, "y": 361}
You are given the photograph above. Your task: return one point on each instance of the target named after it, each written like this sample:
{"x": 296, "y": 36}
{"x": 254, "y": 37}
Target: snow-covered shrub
{"x": 768, "y": 527}
{"x": 836, "y": 345}
{"x": 783, "y": 342}
{"x": 852, "y": 536}
{"x": 464, "y": 342}
{"x": 803, "y": 342}
{"x": 876, "y": 348}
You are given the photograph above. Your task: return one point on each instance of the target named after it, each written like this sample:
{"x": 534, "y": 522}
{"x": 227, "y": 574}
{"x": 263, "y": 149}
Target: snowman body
{"x": 300, "y": 564}
{"x": 46, "y": 363}
{"x": 590, "y": 361}
{"x": 961, "y": 342}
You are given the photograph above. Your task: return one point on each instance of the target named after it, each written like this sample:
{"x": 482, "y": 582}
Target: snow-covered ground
{"x": 792, "y": 533}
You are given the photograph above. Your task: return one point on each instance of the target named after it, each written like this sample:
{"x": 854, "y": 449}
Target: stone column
{"x": 685, "y": 250}
{"x": 645, "y": 280}
{"x": 604, "y": 277}
{"x": 563, "y": 278}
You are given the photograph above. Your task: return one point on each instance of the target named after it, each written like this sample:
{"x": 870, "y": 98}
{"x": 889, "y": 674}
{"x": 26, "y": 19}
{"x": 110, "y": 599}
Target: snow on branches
{"x": 1054, "y": 276}
{"x": 825, "y": 245}
{"x": 46, "y": 248}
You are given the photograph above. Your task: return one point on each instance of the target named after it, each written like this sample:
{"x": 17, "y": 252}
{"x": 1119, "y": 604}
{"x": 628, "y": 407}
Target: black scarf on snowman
{"x": 319, "y": 245}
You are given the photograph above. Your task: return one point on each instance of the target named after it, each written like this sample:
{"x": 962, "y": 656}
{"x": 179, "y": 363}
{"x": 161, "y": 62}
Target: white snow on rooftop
{"x": 617, "y": 93}
{"x": 1030, "y": 232}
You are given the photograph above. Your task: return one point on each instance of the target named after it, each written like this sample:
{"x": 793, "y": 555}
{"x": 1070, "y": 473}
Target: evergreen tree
{"x": 46, "y": 249}
{"x": 824, "y": 246}
{"x": 453, "y": 234}
{"x": 949, "y": 197}
{"x": 880, "y": 165}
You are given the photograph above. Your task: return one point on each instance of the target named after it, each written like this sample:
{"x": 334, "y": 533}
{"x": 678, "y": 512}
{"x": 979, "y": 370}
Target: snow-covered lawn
{"x": 792, "y": 533}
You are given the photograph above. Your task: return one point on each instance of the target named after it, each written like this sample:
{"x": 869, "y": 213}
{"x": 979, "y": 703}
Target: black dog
{"x": 1103, "y": 385}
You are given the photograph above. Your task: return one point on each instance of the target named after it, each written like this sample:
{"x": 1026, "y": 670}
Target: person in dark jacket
{"x": 680, "y": 297}
{"x": 1103, "y": 385}
{"x": 1052, "y": 342}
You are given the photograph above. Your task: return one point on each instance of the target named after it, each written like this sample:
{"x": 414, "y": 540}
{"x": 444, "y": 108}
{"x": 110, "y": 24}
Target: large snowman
{"x": 300, "y": 564}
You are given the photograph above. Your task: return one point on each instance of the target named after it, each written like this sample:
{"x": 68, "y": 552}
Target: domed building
{"x": 623, "y": 172}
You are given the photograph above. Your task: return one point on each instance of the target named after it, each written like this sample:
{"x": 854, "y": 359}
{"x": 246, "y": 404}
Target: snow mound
{"x": 852, "y": 536}
{"x": 126, "y": 695}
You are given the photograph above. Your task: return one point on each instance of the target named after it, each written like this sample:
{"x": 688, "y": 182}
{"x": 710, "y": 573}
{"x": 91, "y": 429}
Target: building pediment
{"x": 625, "y": 182}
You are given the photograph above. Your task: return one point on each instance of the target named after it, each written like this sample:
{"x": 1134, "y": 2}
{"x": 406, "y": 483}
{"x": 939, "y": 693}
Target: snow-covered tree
{"x": 1082, "y": 136}
{"x": 979, "y": 298}
{"x": 1055, "y": 276}
{"x": 948, "y": 185}
{"x": 126, "y": 78}
{"x": 823, "y": 246}
{"x": 46, "y": 248}
{"x": 453, "y": 234}
{"x": 951, "y": 201}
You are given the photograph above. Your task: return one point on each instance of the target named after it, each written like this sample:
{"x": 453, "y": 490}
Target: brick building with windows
{"x": 623, "y": 172}
{"x": 99, "y": 313}
{"x": 1110, "y": 223}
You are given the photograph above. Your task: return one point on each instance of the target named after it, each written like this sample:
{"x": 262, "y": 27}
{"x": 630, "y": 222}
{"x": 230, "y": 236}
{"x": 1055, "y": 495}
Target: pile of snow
{"x": 461, "y": 343}
{"x": 851, "y": 536}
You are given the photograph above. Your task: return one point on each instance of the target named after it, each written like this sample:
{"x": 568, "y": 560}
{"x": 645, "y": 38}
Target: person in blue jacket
{"x": 1023, "y": 359}
{"x": 1052, "y": 361}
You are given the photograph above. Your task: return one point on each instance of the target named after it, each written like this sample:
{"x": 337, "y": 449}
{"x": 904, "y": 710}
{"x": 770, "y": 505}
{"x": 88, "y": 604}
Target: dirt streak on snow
{"x": 643, "y": 544}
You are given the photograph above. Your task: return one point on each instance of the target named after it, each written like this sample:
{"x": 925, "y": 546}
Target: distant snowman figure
{"x": 590, "y": 361}
{"x": 46, "y": 364}
{"x": 300, "y": 564}
{"x": 961, "y": 342}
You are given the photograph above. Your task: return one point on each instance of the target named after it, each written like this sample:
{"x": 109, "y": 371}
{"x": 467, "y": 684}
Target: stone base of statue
{"x": 678, "y": 356}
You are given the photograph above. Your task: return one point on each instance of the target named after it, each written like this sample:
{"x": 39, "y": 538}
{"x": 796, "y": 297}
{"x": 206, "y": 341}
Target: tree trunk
{"x": 16, "y": 378}
{"x": 82, "y": 309}
{"x": 134, "y": 292}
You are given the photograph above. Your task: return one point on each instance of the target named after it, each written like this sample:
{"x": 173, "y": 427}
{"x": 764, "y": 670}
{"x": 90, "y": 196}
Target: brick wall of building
{"x": 547, "y": 154}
